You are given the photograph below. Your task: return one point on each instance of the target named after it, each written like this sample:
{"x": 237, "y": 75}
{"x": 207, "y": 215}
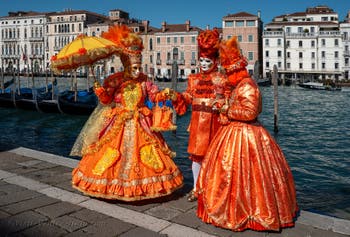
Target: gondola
{"x": 85, "y": 103}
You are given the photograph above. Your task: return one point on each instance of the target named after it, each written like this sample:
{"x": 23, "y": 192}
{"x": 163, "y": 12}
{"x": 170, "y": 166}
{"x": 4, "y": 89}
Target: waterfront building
{"x": 304, "y": 45}
{"x": 345, "y": 31}
{"x": 170, "y": 43}
{"x": 23, "y": 42}
{"x": 248, "y": 30}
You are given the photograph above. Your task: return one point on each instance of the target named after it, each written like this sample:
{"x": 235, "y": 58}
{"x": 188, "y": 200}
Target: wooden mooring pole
{"x": 275, "y": 97}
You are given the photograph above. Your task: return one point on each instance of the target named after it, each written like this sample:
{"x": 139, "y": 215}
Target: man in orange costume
{"x": 205, "y": 92}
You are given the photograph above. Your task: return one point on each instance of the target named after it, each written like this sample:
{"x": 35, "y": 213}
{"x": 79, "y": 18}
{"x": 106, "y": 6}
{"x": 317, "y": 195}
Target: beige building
{"x": 248, "y": 30}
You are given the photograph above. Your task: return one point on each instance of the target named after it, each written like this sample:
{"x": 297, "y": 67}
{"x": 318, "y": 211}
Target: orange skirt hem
{"x": 248, "y": 225}
{"x": 128, "y": 193}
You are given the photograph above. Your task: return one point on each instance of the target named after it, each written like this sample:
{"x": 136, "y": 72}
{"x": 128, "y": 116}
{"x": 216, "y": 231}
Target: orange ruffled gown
{"x": 245, "y": 181}
{"x": 127, "y": 161}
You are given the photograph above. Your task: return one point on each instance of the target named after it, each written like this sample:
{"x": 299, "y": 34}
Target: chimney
{"x": 145, "y": 24}
{"x": 163, "y": 26}
{"x": 188, "y": 25}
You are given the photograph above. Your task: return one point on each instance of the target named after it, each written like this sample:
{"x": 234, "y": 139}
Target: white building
{"x": 304, "y": 45}
{"x": 23, "y": 40}
{"x": 345, "y": 31}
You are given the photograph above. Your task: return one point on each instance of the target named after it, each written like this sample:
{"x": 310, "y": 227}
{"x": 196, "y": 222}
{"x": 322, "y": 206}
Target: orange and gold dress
{"x": 122, "y": 158}
{"x": 245, "y": 181}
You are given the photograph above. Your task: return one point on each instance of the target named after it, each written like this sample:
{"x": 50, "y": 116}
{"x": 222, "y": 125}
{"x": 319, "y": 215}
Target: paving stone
{"x": 10, "y": 188}
{"x": 4, "y": 215}
{"x": 181, "y": 204}
{"x": 297, "y": 231}
{"x": 17, "y": 197}
{"x": 53, "y": 175}
{"x": 69, "y": 223}
{"x": 108, "y": 227}
{"x": 188, "y": 218}
{"x": 163, "y": 212}
{"x": 45, "y": 229}
{"x": 29, "y": 204}
{"x": 138, "y": 231}
{"x": 20, "y": 222}
{"x": 213, "y": 230}
{"x": 58, "y": 209}
{"x": 89, "y": 216}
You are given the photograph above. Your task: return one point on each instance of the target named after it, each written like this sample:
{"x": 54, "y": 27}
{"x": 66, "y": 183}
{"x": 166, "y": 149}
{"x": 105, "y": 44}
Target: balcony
{"x": 35, "y": 39}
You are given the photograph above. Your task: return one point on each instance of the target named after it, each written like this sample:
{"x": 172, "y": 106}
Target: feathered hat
{"x": 130, "y": 43}
{"x": 231, "y": 58}
{"x": 208, "y": 43}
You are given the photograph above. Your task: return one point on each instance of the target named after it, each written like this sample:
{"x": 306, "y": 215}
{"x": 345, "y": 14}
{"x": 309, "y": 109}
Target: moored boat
{"x": 319, "y": 86}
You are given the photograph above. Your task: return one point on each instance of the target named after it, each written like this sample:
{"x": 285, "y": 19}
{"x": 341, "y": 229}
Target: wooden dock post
{"x": 275, "y": 97}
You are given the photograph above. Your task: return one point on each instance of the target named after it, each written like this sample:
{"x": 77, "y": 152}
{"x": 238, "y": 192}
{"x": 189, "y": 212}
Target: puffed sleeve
{"x": 246, "y": 104}
{"x": 105, "y": 93}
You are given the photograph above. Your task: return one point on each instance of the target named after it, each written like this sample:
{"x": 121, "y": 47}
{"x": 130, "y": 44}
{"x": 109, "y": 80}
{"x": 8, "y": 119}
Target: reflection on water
{"x": 313, "y": 132}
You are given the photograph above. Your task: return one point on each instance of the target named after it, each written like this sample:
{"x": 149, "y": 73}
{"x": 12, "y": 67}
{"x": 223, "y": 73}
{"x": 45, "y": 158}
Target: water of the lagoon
{"x": 314, "y": 133}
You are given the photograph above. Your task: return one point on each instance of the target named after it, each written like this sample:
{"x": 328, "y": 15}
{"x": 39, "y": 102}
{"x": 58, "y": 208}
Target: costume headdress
{"x": 208, "y": 43}
{"x": 231, "y": 58}
{"x": 130, "y": 43}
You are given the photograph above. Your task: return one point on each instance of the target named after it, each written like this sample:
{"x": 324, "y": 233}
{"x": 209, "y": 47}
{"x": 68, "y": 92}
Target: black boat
{"x": 84, "y": 104}
{"x": 47, "y": 103}
{"x": 28, "y": 97}
{"x": 7, "y": 95}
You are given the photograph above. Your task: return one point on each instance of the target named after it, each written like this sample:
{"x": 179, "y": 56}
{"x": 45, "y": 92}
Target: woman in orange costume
{"x": 122, "y": 158}
{"x": 205, "y": 92}
{"x": 245, "y": 181}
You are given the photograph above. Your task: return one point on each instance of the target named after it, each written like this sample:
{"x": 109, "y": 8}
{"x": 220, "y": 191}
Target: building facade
{"x": 248, "y": 30}
{"x": 304, "y": 45}
{"x": 345, "y": 32}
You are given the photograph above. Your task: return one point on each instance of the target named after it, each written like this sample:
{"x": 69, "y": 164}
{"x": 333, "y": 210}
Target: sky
{"x": 200, "y": 13}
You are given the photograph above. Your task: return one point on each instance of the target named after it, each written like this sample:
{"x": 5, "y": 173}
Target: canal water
{"x": 314, "y": 134}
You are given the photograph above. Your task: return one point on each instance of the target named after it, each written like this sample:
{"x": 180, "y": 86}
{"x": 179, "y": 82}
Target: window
{"x": 267, "y": 64}
{"x": 323, "y": 42}
{"x": 228, "y": 23}
{"x": 266, "y": 53}
{"x": 288, "y": 43}
{"x": 288, "y": 65}
{"x": 182, "y": 39}
{"x": 193, "y": 39}
{"x": 336, "y": 54}
{"x": 313, "y": 65}
{"x": 158, "y": 40}
{"x": 300, "y": 43}
{"x": 279, "y": 53}
{"x": 313, "y": 43}
{"x": 239, "y": 23}
{"x": 312, "y": 54}
{"x": 175, "y": 40}
{"x": 336, "y": 42}
{"x": 300, "y": 29}
{"x": 288, "y": 54}
{"x": 267, "y": 42}
{"x": 168, "y": 40}
{"x": 336, "y": 65}
{"x": 323, "y": 65}
{"x": 250, "y": 56}
{"x": 250, "y": 38}
{"x": 323, "y": 54}
{"x": 151, "y": 44}
{"x": 288, "y": 30}
{"x": 239, "y": 38}
{"x": 279, "y": 64}
{"x": 250, "y": 23}
{"x": 300, "y": 54}
{"x": 300, "y": 66}
{"x": 279, "y": 42}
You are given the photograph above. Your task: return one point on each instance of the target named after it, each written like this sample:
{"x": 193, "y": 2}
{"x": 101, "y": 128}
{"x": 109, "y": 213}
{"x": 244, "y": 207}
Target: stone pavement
{"x": 36, "y": 199}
